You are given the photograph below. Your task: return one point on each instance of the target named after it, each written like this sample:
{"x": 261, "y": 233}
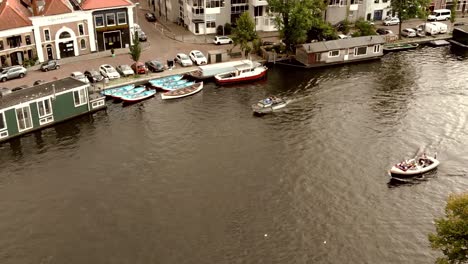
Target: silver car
{"x": 12, "y": 72}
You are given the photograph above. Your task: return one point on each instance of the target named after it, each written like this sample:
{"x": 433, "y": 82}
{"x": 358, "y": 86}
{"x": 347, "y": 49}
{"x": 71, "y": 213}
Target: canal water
{"x": 201, "y": 180}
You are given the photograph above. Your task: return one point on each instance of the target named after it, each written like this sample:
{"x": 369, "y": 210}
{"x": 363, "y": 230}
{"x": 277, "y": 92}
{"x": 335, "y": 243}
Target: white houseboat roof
{"x": 38, "y": 91}
{"x": 343, "y": 43}
{"x": 216, "y": 68}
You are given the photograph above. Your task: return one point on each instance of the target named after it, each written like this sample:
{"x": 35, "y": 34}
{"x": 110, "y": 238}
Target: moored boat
{"x": 183, "y": 92}
{"x": 269, "y": 105}
{"x": 166, "y": 79}
{"x": 110, "y": 92}
{"x": 135, "y": 90}
{"x": 399, "y": 46}
{"x": 243, "y": 73}
{"x": 209, "y": 71}
{"x": 175, "y": 86}
{"x": 414, "y": 167}
{"x": 133, "y": 98}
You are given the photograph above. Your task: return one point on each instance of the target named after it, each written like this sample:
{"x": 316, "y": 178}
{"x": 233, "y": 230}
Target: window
{"x": 334, "y": 53}
{"x": 27, "y": 38}
{"x": 23, "y": 117}
{"x": 337, "y": 2}
{"x": 239, "y": 9}
{"x": 376, "y": 48}
{"x": 110, "y": 19}
{"x": 360, "y": 51}
{"x": 376, "y": 1}
{"x": 99, "y": 21}
{"x": 1, "y": 45}
{"x": 2, "y": 122}
{"x": 121, "y": 18}
{"x": 80, "y": 29}
{"x": 83, "y": 44}
{"x": 79, "y": 97}
{"x": 64, "y": 35}
{"x": 210, "y": 24}
{"x": 44, "y": 107}
{"x": 46, "y": 34}
{"x": 215, "y": 3}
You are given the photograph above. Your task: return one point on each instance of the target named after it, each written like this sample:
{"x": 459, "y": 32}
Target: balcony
{"x": 213, "y": 10}
{"x": 259, "y": 3}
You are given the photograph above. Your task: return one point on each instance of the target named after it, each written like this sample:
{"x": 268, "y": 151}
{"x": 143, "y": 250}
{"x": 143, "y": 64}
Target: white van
{"x": 441, "y": 26}
{"x": 429, "y": 28}
{"x": 439, "y": 14}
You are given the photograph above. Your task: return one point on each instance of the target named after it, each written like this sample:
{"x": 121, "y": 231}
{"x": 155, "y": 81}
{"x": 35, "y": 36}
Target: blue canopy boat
{"x": 136, "y": 90}
{"x": 133, "y": 98}
{"x": 112, "y": 91}
{"x": 175, "y": 86}
{"x": 172, "y": 78}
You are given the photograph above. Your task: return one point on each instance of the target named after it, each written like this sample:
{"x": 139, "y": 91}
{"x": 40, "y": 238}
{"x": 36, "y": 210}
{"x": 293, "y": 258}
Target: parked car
{"x": 139, "y": 68}
{"x": 50, "y": 65}
{"x": 384, "y": 31}
{"x": 125, "y": 70}
{"x": 218, "y": 40}
{"x": 429, "y": 28}
{"x": 93, "y": 76}
{"x": 79, "y": 76}
{"x": 343, "y": 36}
{"x": 391, "y": 21}
{"x": 183, "y": 59}
{"x": 109, "y": 72}
{"x": 150, "y": 17}
{"x": 443, "y": 28}
{"x": 197, "y": 57}
{"x": 12, "y": 72}
{"x": 154, "y": 66}
{"x": 408, "y": 32}
{"x": 457, "y": 24}
{"x": 141, "y": 35}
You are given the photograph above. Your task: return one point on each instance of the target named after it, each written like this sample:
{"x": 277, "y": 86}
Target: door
{"x": 378, "y": 14}
{"x": 112, "y": 40}
{"x": 16, "y": 58}
{"x": 67, "y": 49}
{"x": 197, "y": 28}
{"x": 50, "y": 55}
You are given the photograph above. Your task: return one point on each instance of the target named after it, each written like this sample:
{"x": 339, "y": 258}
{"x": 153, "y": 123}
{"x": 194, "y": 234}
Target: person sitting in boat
{"x": 267, "y": 101}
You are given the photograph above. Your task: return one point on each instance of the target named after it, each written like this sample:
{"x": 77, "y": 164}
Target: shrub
{"x": 227, "y": 29}
{"x": 219, "y": 30}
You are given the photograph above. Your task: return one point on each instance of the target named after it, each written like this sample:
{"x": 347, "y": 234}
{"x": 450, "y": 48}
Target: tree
{"x": 364, "y": 28}
{"x": 244, "y": 33}
{"x": 406, "y": 9}
{"x": 321, "y": 31}
{"x": 294, "y": 18}
{"x": 452, "y": 231}
{"x": 135, "y": 49}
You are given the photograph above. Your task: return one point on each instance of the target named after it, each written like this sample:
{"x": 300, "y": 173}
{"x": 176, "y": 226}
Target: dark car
{"x": 50, "y": 65}
{"x": 154, "y": 66}
{"x": 37, "y": 82}
{"x": 150, "y": 17}
{"x": 93, "y": 76}
{"x": 383, "y": 31}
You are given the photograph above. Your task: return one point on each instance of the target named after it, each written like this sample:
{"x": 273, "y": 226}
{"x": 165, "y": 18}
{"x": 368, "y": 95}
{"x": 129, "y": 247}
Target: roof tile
{"x": 100, "y": 4}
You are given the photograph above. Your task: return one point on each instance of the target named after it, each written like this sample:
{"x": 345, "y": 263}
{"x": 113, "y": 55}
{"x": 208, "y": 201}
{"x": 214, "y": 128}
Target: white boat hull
{"x": 396, "y": 171}
{"x": 172, "y": 95}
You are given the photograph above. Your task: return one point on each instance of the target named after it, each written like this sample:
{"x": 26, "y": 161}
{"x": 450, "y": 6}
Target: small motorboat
{"x": 133, "y": 98}
{"x": 399, "y": 46}
{"x": 110, "y": 92}
{"x": 414, "y": 167}
{"x": 167, "y": 79}
{"x": 175, "y": 86}
{"x": 183, "y": 92}
{"x": 269, "y": 105}
{"x": 243, "y": 73}
{"x": 135, "y": 90}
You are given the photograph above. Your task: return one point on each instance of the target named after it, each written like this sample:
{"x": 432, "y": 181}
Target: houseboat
{"x": 340, "y": 51}
{"x": 43, "y": 105}
{"x": 460, "y": 37}
{"x": 209, "y": 71}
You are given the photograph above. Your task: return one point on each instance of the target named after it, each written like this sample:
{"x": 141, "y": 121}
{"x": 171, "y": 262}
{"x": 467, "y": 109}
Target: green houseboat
{"x": 44, "y": 105}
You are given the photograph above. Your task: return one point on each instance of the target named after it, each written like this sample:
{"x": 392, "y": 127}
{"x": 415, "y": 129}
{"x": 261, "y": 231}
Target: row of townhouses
{"x": 203, "y": 16}
{"x": 55, "y": 29}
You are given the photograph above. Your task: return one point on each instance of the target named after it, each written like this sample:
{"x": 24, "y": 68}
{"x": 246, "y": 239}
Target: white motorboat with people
{"x": 415, "y": 166}
{"x": 269, "y": 105}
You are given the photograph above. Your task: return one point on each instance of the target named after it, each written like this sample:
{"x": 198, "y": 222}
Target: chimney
{"x": 35, "y": 9}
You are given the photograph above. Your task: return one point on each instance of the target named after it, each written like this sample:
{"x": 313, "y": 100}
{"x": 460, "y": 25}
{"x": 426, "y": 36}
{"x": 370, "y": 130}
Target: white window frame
{"x": 82, "y": 97}
{"x": 28, "y": 107}
{"x": 42, "y": 102}
{"x": 107, "y": 22}
{"x": 103, "y": 21}
{"x": 79, "y": 33}
{"x": 124, "y": 16}
{"x": 4, "y": 121}
{"x": 356, "y": 51}
{"x": 45, "y": 36}
{"x": 81, "y": 47}
{"x": 377, "y": 48}
{"x": 330, "y": 53}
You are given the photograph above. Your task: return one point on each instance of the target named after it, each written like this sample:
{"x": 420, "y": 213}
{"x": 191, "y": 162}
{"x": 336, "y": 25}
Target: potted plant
{"x": 113, "y": 52}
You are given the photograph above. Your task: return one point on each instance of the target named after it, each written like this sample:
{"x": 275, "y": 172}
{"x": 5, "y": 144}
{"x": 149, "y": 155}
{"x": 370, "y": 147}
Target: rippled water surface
{"x": 201, "y": 180}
